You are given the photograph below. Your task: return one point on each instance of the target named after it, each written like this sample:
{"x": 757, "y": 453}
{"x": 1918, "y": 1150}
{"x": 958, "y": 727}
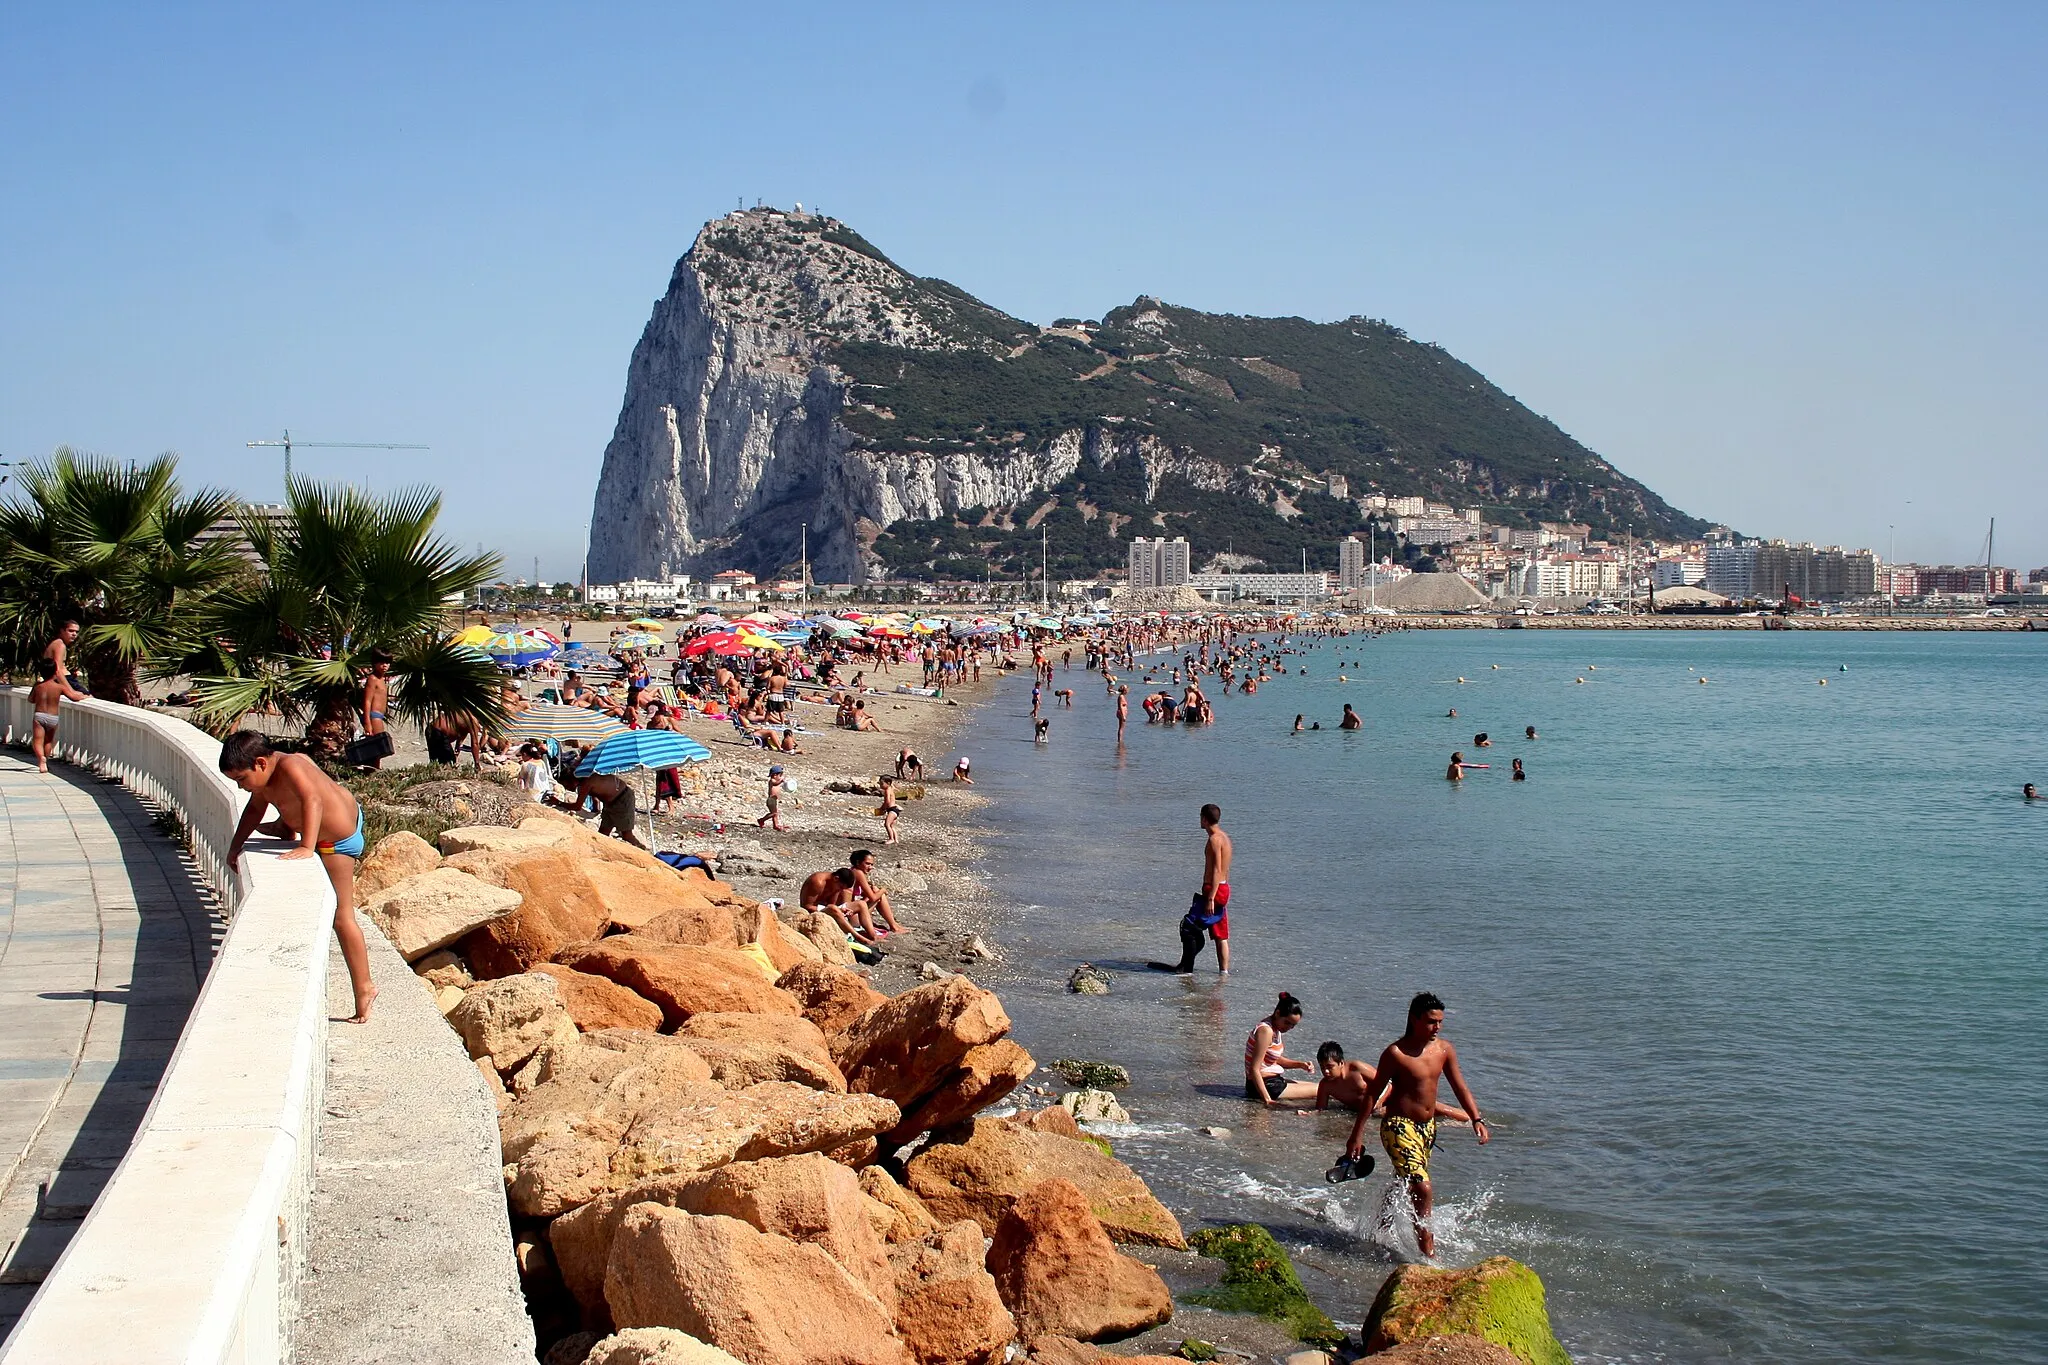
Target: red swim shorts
{"x": 1197, "y": 914}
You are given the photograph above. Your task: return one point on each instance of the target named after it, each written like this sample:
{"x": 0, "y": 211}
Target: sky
{"x": 1784, "y": 264}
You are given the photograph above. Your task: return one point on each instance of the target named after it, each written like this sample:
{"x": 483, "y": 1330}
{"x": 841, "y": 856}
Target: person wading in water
{"x": 1408, "y": 1074}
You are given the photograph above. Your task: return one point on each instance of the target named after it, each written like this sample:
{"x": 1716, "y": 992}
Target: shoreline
{"x": 2017, "y": 624}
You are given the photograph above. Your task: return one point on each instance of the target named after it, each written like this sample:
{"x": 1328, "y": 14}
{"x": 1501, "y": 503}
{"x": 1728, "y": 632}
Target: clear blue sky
{"x": 1782, "y": 262}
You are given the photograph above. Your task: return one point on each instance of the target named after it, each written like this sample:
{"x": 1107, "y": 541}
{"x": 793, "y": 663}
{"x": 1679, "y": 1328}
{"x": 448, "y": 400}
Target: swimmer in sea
{"x": 1351, "y": 720}
{"x": 1298, "y": 728}
{"x": 1529, "y": 731}
{"x": 1480, "y": 741}
{"x": 1520, "y": 776}
{"x": 1451, "y": 714}
{"x": 2027, "y": 793}
{"x": 1456, "y": 772}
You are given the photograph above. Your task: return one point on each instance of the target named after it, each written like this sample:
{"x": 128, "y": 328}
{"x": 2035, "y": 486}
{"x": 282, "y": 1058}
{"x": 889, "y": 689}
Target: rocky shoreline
{"x": 725, "y": 1139}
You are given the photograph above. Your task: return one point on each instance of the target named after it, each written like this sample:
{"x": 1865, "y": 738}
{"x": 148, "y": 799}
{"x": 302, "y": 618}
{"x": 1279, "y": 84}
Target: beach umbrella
{"x": 709, "y": 618}
{"x": 638, "y": 749}
{"x": 646, "y": 623}
{"x": 888, "y": 632}
{"x": 842, "y": 629}
{"x": 642, "y": 749}
{"x": 755, "y": 640}
{"x": 518, "y": 651}
{"x": 704, "y": 644}
{"x": 471, "y": 635}
{"x": 636, "y": 639}
{"x": 545, "y": 720}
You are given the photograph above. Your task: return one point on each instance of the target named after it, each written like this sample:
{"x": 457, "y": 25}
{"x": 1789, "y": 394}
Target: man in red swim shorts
{"x": 1209, "y": 915}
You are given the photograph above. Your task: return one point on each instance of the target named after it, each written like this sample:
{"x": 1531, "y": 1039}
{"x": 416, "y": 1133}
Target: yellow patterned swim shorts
{"x": 1408, "y": 1144}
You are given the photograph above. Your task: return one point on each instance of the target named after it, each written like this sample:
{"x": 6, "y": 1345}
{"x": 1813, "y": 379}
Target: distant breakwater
{"x": 2020, "y": 624}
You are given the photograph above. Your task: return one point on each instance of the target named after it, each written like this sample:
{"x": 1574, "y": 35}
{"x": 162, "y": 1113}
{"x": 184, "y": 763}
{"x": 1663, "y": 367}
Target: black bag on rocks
{"x": 367, "y": 749}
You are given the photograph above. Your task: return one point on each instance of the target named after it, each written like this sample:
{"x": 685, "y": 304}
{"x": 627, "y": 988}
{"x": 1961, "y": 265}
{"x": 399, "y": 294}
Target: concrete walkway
{"x": 409, "y": 1260}
{"x": 105, "y": 936}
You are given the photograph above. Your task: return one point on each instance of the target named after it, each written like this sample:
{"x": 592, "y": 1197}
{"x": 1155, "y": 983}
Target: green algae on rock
{"x": 1499, "y": 1299}
{"x": 1259, "y": 1278}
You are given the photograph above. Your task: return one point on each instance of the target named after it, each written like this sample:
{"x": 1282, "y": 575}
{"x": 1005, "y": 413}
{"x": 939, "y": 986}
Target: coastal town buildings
{"x": 1261, "y": 587}
{"x": 1159, "y": 562}
{"x": 1773, "y": 569}
{"x": 1687, "y": 572}
{"x": 231, "y": 528}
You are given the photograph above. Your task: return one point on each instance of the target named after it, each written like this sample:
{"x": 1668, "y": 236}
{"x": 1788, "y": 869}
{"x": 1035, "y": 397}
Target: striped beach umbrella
{"x": 642, "y": 749}
{"x": 544, "y": 720}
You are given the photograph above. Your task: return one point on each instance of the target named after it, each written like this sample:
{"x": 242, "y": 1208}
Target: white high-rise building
{"x": 1731, "y": 569}
{"x": 1350, "y": 564}
{"x": 1159, "y": 563}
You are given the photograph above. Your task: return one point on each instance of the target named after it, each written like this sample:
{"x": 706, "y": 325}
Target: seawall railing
{"x": 193, "y": 1252}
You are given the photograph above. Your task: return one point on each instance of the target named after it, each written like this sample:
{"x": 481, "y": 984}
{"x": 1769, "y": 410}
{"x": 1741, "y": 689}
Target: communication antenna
{"x": 287, "y": 443}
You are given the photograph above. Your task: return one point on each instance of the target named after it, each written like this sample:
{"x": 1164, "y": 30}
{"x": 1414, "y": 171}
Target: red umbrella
{"x": 705, "y": 644}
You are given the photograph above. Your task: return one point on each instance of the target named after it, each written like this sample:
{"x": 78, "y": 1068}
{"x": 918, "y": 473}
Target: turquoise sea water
{"x": 1749, "y": 976}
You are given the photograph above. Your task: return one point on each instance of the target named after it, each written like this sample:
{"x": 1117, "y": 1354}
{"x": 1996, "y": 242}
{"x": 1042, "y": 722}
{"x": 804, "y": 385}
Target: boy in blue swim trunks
{"x": 311, "y": 807}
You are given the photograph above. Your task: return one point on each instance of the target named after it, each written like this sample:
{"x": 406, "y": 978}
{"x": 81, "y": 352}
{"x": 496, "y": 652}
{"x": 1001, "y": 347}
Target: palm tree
{"x": 345, "y": 578}
{"x": 115, "y": 547}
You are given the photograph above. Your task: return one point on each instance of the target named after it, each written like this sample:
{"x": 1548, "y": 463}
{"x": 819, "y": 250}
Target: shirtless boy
{"x": 44, "y": 700}
{"x": 313, "y": 808}
{"x": 1407, "y": 1080}
{"x": 834, "y": 893}
{"x": 1210, "y": 912}
{"x": 376, "y": 697}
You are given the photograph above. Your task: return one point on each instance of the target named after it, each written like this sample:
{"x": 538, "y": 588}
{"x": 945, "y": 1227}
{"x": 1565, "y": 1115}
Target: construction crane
{"x": 288, "y": 443}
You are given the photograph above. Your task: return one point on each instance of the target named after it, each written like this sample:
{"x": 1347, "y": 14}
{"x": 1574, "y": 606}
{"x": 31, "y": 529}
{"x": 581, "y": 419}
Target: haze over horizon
{"x": 1783, "y": 268}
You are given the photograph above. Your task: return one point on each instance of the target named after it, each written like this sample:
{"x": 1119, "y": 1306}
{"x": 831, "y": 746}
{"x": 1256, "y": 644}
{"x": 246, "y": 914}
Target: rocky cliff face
{"x": 793, "y": 376}
{"x": 730, "y": 440}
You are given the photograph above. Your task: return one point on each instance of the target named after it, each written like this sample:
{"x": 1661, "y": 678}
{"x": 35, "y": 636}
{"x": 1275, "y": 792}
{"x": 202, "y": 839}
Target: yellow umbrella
{"x": 647, "y": 623}
{"x": 756, "y": 640}
{"x": 474, "y": 635}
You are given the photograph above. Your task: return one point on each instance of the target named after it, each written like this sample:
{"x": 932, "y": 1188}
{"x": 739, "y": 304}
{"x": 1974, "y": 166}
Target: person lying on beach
{"x": 835, "y": 893}
{"x": 312, "y": 808}
{"x": 1266, "y": 1062}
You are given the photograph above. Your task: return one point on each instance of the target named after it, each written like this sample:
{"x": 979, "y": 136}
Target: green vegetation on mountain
{"x": 1224, "y": 428}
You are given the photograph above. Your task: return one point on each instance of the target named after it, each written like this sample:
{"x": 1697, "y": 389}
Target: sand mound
{"x": 1432, "y": 592}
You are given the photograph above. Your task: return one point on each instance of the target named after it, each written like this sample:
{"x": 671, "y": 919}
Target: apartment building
{"x": 1159, "y": 562}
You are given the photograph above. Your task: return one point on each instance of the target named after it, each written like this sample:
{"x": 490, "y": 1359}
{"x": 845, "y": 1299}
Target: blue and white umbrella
{"x": 642, "y": 749}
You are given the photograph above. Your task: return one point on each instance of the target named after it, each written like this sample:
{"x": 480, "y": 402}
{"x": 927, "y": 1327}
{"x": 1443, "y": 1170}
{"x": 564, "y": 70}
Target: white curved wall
{"x": 193, "y": 1252}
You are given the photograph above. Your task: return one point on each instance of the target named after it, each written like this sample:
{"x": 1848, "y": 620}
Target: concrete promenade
{"x": 106, "y": 934}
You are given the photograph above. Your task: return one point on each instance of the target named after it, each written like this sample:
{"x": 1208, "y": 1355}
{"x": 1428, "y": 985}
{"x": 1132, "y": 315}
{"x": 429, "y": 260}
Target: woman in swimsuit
{"x": 1266, "y": 1062}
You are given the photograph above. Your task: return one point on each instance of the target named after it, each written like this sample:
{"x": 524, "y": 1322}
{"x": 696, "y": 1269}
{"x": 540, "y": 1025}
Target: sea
{"x": 1749, "y": 975}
